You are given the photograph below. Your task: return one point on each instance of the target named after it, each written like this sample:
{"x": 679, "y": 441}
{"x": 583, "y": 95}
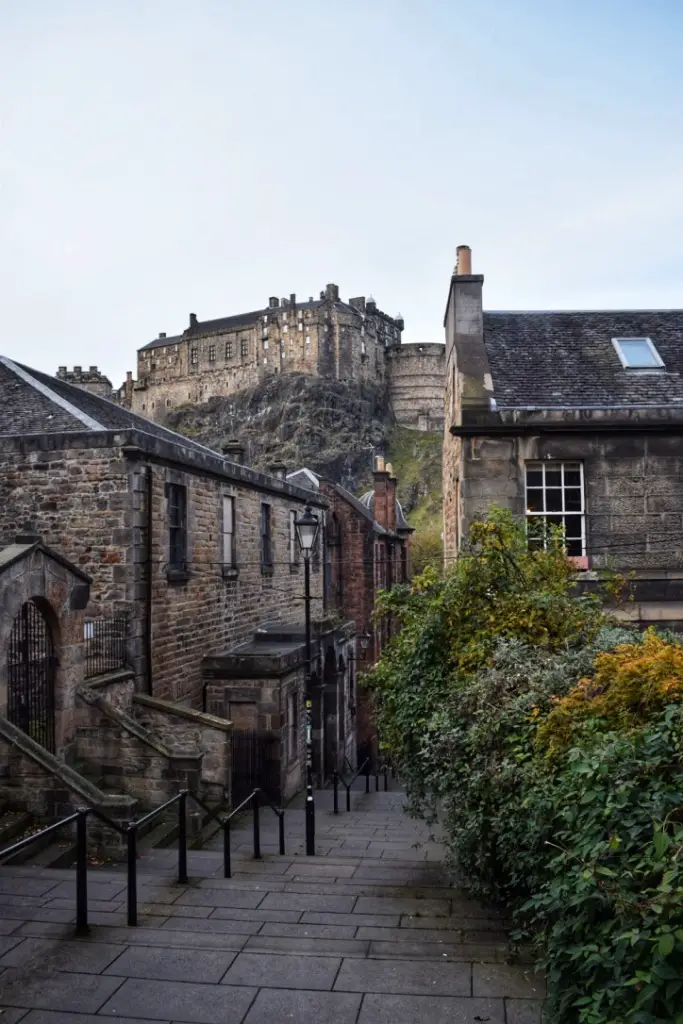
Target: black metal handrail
{"x": 131, "y": 833}
{"x": 81, "y": 818}
{"x": 337, "y": 778}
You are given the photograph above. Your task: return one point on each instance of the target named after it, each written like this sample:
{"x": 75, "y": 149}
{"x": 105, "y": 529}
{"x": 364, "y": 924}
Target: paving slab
{"x": 523, "y": 1011}
{"x": 48, "y": 1017}
{"x": 405, "y": 977}
{"x": 57, "y": 955}
{"x": 307, "y": 947}
{"x": 57, "y": 991}
{"x": 306, "y": 902}
{"x": 12, "y": 1015}
{"x": 11, "y": 885}
{"x": 225, "y": 926}
{"x": 221, "y": 897}
{"x": 191, "y": 1003}
{"x": 512, "y": 981}
{"x": 275, "y": 1005}
{"x": 398, "y": 905}
{"x": 270, "y": 970}
{"x": 96, "y": 890}
{"x": 356, "y": 920}
{"x": 256, "y": 914}
{"x": 438, "y": 951}
{"x": 405, "y": 935}
{"x": 309, "y": 931}
{"x": 199, "y": 965}
{"x": 395, "y": 1009}
{"x": 6, "y": 944}
{"x": 8, "y": 926}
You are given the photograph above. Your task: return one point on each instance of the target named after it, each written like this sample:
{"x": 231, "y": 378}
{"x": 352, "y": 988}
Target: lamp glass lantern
{"x": 307, "y": 527}
{"x": 364, "y": 640}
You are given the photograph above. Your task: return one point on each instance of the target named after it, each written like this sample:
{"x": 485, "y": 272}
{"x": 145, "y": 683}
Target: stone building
{"x": 367, "y": 549}
{"x": 572, "y": 419}
{"x": 92, "y": 380}
{"x": 327, "y": 337}
{"x": 191, "y": 550}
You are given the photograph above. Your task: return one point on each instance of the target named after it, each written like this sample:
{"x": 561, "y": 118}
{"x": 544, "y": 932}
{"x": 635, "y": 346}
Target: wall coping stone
{"x": 121, "y": 675}
{"x": 132, "y": 727}
{"x": 200, "y": 717}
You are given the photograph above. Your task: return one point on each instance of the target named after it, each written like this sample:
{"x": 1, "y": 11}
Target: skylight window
{"x": 637, "y": 353}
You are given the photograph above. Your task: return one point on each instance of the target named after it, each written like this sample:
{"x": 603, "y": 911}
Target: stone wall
{"x": 87, "y": 496}
{"x": 343, "y": 341}
{"x": 415, "y": 376}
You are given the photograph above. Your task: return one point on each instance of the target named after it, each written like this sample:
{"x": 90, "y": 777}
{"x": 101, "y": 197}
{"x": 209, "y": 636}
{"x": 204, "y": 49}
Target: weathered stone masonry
{"x": 86, "y": 495}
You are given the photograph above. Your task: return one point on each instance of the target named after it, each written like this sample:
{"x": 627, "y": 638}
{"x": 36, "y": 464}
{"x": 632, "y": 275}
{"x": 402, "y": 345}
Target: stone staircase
{"x": 372, "y": 930}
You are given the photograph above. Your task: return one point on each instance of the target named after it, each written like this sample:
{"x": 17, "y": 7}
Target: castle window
{"x": 154, "y": 366}
{"x": 244, "y": 347}
{"x": 301, "y": 326}
{"x": 285, "y": 328}
{"x": 265, "y": 344}
{"x": 228, "y": 350}
{"x": 265, "y": 318}
{"x": 194, "y": 355}
{"x": 265, "y": 332}
{"x": 212, "y": 353}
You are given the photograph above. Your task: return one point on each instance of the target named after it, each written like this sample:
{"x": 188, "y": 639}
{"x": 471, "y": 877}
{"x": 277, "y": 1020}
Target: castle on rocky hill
{"x": 324, "y": 337}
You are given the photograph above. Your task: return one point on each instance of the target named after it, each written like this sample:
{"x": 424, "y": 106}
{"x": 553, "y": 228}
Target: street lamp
{"x": 364, "y": 640}
{"x": 307, "y": 527}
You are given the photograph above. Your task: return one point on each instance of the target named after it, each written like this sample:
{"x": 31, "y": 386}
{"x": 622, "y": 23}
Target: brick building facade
{"x": 193, "y": 549}
{"x": 367, "y": 549}
{"x": 572, "y": 419}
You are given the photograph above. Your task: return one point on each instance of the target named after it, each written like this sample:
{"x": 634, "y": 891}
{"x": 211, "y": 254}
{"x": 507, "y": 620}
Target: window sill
{"x": 230, "y": 572}
{"x": 177, "y": 575}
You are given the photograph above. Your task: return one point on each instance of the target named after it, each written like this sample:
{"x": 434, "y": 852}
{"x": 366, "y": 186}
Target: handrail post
{"x": 377, "y": 771}
{"x": 82, "y": 872}
{"x": 310, "y": 822}
{"x": 367, "y": 777}
{"x": 335, "y": 787}
{"x": 227, "y": 867}
{"x": 348, "y": 796}
{"x": 386, "y": 784}
{"x": 281, "y": 828}
{"x": 257, "y": 830}
{"x": 182, "y": 839}
{"x": 131, "y": 836}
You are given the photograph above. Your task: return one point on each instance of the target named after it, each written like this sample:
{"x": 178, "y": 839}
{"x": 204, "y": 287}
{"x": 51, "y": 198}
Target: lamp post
{"x": 364, "y": 640}
{"x": 307, "y": 534}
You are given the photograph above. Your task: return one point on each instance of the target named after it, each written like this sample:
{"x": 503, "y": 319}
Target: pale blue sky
{"x": 159, "y": 157}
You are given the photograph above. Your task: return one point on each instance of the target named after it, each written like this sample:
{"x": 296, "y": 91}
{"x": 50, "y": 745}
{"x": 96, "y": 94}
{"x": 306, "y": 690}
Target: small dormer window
{"x": 638, "y": 353}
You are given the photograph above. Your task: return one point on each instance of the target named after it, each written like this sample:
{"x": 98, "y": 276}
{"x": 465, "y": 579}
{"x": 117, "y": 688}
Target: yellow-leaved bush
{"x": 629, "y": 685}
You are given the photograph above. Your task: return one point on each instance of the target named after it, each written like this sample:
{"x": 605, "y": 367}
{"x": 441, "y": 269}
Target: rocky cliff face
{"x": 330, "y": 426}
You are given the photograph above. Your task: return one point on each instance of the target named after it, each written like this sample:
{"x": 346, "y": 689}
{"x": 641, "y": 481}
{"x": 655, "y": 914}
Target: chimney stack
{"x": 162, "y": 334}
{"x": 278, "y": 470}
{"x": 193, "y": 320}
{"x": 129, "y": 376}
{"x": 234, "y": 451}
{"x": 463, "y": 261}
{"x": 273, "y": 302}
{"x": 292, "y": 300}
{"x": 385, "y": 495}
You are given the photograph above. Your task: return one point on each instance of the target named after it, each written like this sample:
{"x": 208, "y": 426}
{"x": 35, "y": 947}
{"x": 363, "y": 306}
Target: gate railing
{"x": 131, "y": 831}
{"x": 105, "y": 645}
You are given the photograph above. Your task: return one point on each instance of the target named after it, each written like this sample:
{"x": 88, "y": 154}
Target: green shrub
{"x": 586, "y": 846}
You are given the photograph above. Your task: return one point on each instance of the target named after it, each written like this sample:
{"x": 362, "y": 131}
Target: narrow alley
{"x": 370, "y": 931}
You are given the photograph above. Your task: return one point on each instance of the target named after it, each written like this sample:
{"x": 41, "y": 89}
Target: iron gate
{"x": 31, "y": 676}
{"x": 255, "y": 762}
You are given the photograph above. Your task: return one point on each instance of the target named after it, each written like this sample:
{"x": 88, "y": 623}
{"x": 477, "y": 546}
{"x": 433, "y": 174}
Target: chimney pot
{"x": 234, "y": 450}
{"x": 379, "y": 464}
{"x": 463, "y": 261}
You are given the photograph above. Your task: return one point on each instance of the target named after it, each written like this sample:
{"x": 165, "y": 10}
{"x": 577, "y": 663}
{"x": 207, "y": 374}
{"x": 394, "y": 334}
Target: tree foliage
{"x": 551, "y": 746}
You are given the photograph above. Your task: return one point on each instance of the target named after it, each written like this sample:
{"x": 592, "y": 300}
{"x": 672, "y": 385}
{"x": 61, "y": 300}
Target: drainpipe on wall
{"x": 148, "y": 593}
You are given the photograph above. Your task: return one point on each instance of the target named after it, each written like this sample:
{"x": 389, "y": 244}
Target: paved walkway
{"x": 369, "y": 931}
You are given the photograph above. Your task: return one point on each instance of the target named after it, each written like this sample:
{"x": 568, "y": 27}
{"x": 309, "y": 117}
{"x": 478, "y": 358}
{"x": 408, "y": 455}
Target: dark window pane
{"x": 554, "y": 521}
{"x": 574, "y": 548}
{"x": 573, "y": 526}
{"x": 553, "y": 500}
{"x": 553, "y": 477}
{"x": 534, "y": 500}
{"x": 534, "y": 478}
{"x": 572, "y": 499}
{"x": 572, "y": 477}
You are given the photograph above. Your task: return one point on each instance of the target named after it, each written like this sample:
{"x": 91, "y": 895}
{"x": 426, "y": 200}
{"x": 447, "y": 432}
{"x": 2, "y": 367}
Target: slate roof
{"x": 566, "y": 359}
{"x": 33, "y": 403}
{"x": 368, "y": 500}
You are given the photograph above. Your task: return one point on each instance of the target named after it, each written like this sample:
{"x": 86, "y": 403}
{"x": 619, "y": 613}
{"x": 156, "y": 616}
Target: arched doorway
{"x": 31, "y": 666}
